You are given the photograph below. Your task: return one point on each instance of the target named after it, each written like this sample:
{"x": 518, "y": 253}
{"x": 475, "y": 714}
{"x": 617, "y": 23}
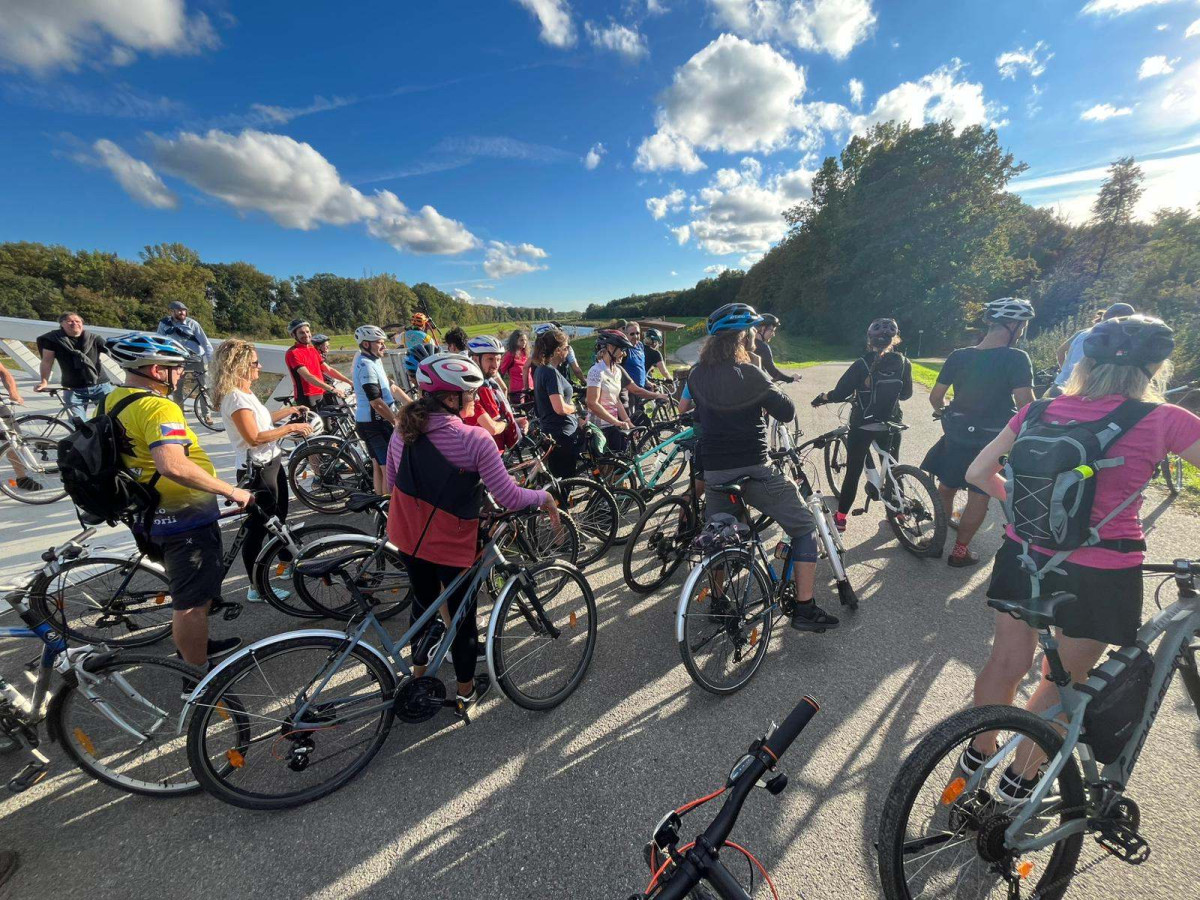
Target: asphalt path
{"x": 522, "y": 804}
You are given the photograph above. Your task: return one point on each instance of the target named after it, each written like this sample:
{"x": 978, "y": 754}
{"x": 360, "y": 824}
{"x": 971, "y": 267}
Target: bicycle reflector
{"x": 953, "y": 790}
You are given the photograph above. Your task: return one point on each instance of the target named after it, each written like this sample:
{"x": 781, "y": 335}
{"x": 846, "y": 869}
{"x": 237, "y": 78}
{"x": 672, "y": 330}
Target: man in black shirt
{"x": 77, "y": 353}
{"x": 762, "y": 346}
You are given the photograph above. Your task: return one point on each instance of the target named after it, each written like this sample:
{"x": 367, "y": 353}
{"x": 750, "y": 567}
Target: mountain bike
{"x": 1172, "y": 468}
{"x": 662, "y": 538}
{"x": 910, "y": 499}
{"x": 28, "y": 465}
{"x": 947, "y": 831}
{"x": 324, "y": 472}
{"x": 321, "y": 702}
{"x": 55, "y": 427}
{"x": 202, "y": 405}
{"x": 695, "y": 869}
{"x": 115, "y": 713}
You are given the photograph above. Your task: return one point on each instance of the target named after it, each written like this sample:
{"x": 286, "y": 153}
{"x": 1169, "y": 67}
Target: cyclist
{"x": 730, "y": 395}
{"x": 490, "y": 409}
{"x": 604, "y": 382}
{"x": 515, "y": 366}
{"x": 987, "y": 379}
{"x": 1070, "y": 352}
{"x": 24, "y": 481}
{"x": 77, "y": 353}
{"x": 314, "y": 381}
{"x": 254, "y": 435}
{"x": 190, "y": 334}
{"x": 456, "y": 340}
{"x": 374, "y": 418}
{"x": 762, "y": 347}
{"x": 570, "y": 365}
{"x": 412, "y": 359}
{"x": 876, "y": 382}
{"x": 165, "y": 453}
{"x": 553, "y": 398}
{"x": 654, "y": 357}
{"x": 321, "y": 342}
{"x": 1125, "y": 357}
{"x": 434, "y": 468}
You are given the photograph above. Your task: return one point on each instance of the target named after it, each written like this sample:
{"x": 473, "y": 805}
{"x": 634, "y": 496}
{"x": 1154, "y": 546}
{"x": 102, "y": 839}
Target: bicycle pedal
{"x": 858, "y": 512}
{"x": 1123, "y": 843}
{"x": 28, "y": 777}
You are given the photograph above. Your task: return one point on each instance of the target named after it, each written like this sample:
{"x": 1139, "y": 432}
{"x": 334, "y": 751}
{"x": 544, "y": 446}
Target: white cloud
{"x": 620, "y": 39}
{"x": 937, "y": 96}
{"x": 594, "y": 155}
{"x": 1103, "y": 111}
{"x": 682, "y": 234}
{"x": 41, "y": 35}
{"x": 1162, "y": 27}
{"x": 831, "y": 26}
{"x": 1032, "y": 59}
{"x": 460, "y": 294}
{"x": 424, "y": 231}
{"x": 674, "y": 274}
{"x": 1153, "y": 66}
{"x": 137, "y": 178}
{"x": 1193, "y": 30}
{"x": 1119, "y": 7}
{"x": 664, "y": 150}
{"x": 660, "y": 206}
{"x": 501, "y": 260}
{"x": 267, "y": 114}
{"x": 558, "y": 30}
{"x": 715, "y": 270}
{"x": 1180, "y": 101}
{"x": 656, "y": 7}
{"x": 856, "y": 89}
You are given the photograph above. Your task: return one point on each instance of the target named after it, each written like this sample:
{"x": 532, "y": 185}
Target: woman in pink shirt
{"x": 1125, "y": 358}
{"x": 515, "y": 367}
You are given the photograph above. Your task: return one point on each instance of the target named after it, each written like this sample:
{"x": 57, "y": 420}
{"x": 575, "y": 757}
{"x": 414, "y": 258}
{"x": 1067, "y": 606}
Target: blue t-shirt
{"x": 547, "y": 380}
{"x": 369, "y": 370}
{"x": 635, "y": 364}
{"x": 1074, "y": 355}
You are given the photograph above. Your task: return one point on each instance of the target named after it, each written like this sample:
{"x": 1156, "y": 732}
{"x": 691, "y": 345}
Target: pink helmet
{"x": 448, "y": 372}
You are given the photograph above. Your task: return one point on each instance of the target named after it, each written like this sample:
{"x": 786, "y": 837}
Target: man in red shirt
{"x": 312, "y": 377}
{"x": 488, "y": 411}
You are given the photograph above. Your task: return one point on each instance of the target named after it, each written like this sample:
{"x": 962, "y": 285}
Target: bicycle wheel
{"x": 141, "y": 693}
{"x": 542, "y": 634}
{"x": 658, "y": 545}
{"x": 323, "y": 473}
{"x": 37, "y": 425}
{"x": 282, "y": 761}
{"x": 120, "y": 601}
{"x": 378, "y": 573}
{"x": 938, "y": 840}
{"x": 204, "y": 412}
{"x": 723, "y": 623}
{"x": 630, "y": 507}
{"x": 540, "y": 540}
{"x": 835, "y": 464}
{"x": 919, "y": 522}
{"x": 273, "y": 574}
{"x": 594, "y": 510}
{"x": 29, "y": 471}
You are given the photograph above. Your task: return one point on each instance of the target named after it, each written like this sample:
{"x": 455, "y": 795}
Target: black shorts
{"x": 948, "y": 461}
{"x": 1110, "y": 600}
{"x": 193, "y": 563}
{"x": 376, "y": 435}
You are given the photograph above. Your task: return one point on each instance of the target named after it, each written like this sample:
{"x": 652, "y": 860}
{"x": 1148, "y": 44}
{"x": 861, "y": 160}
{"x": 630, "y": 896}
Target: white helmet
{"x": 544, "y": 327}
{"x": 484, "y": 343}
{"x": 309, "y": 418}
{"x": 448, "y": 372}
{"x": 1009, "y": 309}
{"x": 132, "y": 351}
{"x": 369, "y": 333}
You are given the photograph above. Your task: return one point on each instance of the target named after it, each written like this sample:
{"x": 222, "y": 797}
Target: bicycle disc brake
{"x": 420, "y": 699}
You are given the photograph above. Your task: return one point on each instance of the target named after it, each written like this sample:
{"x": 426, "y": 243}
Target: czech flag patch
{"x": 173, "y": 429}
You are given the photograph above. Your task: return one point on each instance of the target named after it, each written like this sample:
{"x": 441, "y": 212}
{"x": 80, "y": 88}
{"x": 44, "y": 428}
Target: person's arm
{"x": 327, "y": 369}
{"x": 501, "y": 485}
{"x": 984, "y": 472}
{"x": 906, "y": 391}
{"x": 10, "y": 384}
{"x": 1022, "y": 380}
{"x": 778, "y": 405}
{"x": 850, "y": 381}
{"x": 1192, "y": 454}
{"x": 284, "y": 411}
{"x": 1063, "y": 349}
{"x": 44, "y": 369}
{"x": 768, "y": 362}
{"x": 597, "y": 410}
{"x": 490, "y": 425}
{"x": 243, "y": 421}
{"x": 937, "y": 397}
{"x": 374, "y": 394}
{"x": 1023, "y": 396}
{"x": 642, "y": 392}
{"x": 164, "y": 328}
{"x": 400, "y": 395}
{"x": 561, "y": 406}
{"x": 506, "y": 363}
{"x": 206, "y": 346}
{"x": 685, "y": 405}
{"x": 306, "y": 375}
{"x": 394, "y": 451}
{"x": 171, "y": 461}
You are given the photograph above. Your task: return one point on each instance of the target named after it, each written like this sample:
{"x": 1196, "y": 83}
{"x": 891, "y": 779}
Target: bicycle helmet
{"x": 134, "y": 350}
{"x": 770, "y": 321}
{"x": 484, "y": 343}
{"x": 448, "y": 372}
{"x": 413, "y": 338}
{"x": 1009, "y": 309}
{"x": 420, "y": 320}
{"x": 653, "y": 336}
{"x": 882, "y": 331}
{"x": 733, "y": 317}
{"x": 368, "y": 333}
{"x": 1119, "y": 309}
{"x": 610, "y": 337}
{"x": 310, "y": 418}
{"x": 543, "y": 328}
{"x": 320, "y": 339}
{"x": 416, "y": 355}
{"x": 295, "y": 325}
{"x": 1137, "y": 340}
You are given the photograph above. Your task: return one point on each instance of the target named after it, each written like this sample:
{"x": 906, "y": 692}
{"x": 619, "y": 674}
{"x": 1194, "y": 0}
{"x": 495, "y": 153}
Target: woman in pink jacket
{"x": 515, "y": 367}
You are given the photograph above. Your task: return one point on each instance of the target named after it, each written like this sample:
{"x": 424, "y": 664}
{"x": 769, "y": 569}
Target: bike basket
{"x": 1116, "y": 707}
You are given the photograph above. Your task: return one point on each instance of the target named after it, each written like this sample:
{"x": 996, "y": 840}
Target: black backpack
{"x": 96, "y": 479}
{"x": 878, "y": 402}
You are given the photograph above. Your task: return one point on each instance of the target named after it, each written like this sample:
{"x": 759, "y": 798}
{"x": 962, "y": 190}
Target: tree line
{"x": 918, "y": 224}
{"x": 38, "y": 281}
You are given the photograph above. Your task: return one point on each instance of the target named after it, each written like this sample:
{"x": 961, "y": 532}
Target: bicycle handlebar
{"x": 781, "y": 738}
{"x": 1181, "y": 567}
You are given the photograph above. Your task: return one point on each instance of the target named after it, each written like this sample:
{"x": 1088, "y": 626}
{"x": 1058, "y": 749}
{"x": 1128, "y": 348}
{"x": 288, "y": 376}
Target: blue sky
{"x": 549, "y": 152}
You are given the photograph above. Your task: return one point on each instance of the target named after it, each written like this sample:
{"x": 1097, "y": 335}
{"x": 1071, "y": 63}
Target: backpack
{"x": 96, "y": 479}
{"x": 887, "y": 383}
{"x": 1051, "y": 481}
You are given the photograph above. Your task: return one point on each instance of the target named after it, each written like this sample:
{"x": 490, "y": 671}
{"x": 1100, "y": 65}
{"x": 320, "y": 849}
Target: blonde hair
{"x": 1093, "y": 380}
{"x": 231, "y": 366}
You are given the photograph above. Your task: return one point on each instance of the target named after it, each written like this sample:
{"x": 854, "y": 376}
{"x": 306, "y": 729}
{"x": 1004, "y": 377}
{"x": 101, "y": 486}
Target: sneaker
{"x": 971, "y": 760}
{"x": 253, "y": 596}
{"x": 483, "y": 684}
{"x": 26, "y": 483}
{"x": 962, "y": 557}
{"x": 222, "y": 647}
{"x": 839, "y": 521}
{"x": 810, "y": 617}
{"x": 1013, "y": 789}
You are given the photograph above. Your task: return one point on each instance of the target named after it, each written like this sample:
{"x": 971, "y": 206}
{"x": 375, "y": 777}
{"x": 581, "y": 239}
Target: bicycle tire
{"x": 1171, "y": 469}
{"x": 515, "y": 623}
{"x": 142, "y": 610}
{"x": 223, "y": 765}
{"x": 334, "y": 470}
{"x": 381, "y": 576}
{"x": 271, "y": 565}
{"x": 594, "y": 511}
{"x": 663, "y": 533}
{"x": 545, "y": 543}
{"x": 916, "y": 511}
{"x": 204, "y": 413}
{"x": 74, "y": 720}
{"x": 758, "y": 613}
{"x": 46, "y": 452}
{"x": 835, "y": 464}
{"x": 38, "y": 425}
{"x": 630, "y": 507}
{"x": 937, "y": 747}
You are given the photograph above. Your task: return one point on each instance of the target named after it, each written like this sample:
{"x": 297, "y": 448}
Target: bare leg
{"x": 947, "y": 494}
{"x": 1009, "y": 662}
{"x": 805, "y": 575}
{"x": 378, "y": 477}
{"x": 189, "y": 628}
{"x": 972, "y": 517}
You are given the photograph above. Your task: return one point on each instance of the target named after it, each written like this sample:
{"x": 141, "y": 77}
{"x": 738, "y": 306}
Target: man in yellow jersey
{"x": 165, "y": 453}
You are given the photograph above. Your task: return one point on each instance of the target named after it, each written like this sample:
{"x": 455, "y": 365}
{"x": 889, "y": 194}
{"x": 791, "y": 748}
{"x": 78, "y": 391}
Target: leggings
{"x": 428, "y": 581}
{"x": 273, "y": 480}
{"x": 563, "y": 461}
{"x": 857, "y": 445}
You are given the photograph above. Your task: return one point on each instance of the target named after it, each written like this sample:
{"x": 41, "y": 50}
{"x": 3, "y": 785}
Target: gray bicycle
{"x": 949, "y": 832}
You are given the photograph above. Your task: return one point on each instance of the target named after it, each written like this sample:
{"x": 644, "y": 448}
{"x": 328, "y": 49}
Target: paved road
{"x": 558, "y": 804}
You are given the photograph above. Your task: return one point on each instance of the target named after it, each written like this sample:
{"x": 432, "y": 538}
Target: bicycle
{"x": 324, "y": 472}
{"x": 662, "y": 538}
{"x": 113, "y": 712}
{"x": 978, "y": 839}
{"x": 659, "y": 449}
{"x": 691, "y": 870}
{"x": 322, "y": 702}
{"x": 28, "y": 466}
{"x": 1172, "y": 468}
{"x": 910, "y": 499}
{"x": 55, "y": 427}
{"x": 1043, "y": 380}
{"x": 202, "y": 405}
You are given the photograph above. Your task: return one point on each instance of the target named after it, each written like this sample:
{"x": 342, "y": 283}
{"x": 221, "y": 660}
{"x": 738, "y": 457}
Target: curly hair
{"x": 456, "y": 340}
{"x": 725, "y": 348}
{"x": 514, "y": 339}
{"x": 231, "y": 366}
{"x": 545, "y": 345}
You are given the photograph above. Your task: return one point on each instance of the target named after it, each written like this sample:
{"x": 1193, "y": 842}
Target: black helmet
{"x": 610, "y": 337}
{"x": 1137, "y": 340}
{"x": 769, "y": 321}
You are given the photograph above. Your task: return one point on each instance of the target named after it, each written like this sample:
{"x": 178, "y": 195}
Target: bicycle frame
{"x": 633, "y": 468}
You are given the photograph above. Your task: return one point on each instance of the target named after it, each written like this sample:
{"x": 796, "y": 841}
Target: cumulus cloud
{"x": 594, "y": 155}
{"x": 501, "y": 259}
{"x": 855, "y": 88}
{"x": 137, "y": 178}
{"x": 664, "y": 150}
{"x": 1103, "y": 111}
{"x": 1119, "y": 7}
{"x": 831, "y": 26}
{"x": 460, "y": 294}
{"x": 627, "y": 42}
{"x": 558, "y": 29}
{"x": 942, "y": 94}
{"x": 42, "y": 36}
{"x": 656, "y": 7}
{"x": 682, "y": 234}
{"x": 424, "y": 231}
{"x": 1179, "y": 104}
{"x": 660, "y": 206}
{"x": 1032, "y": 60}
{"x": 1153, "y": 66}
{"x": 715, "y": 270}
{"x": 1193, "y": 30}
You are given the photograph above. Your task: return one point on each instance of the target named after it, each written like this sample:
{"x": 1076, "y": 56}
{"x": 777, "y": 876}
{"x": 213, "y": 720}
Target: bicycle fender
{"x": 686, "y": 590}
{"x": 494, "y": 617}
{"x": 269, "y": 546}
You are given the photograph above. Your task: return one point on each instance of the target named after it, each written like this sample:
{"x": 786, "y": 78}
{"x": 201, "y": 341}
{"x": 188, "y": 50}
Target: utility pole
{"x": 920, "y": 337}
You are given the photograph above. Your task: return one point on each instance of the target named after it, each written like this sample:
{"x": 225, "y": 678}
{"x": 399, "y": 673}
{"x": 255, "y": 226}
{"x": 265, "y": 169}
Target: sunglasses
{"x": 256, "y": 365}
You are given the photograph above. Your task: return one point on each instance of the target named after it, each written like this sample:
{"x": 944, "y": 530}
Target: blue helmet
{"x": 733, "y": 317}
{"x": 132, "y": 351}
{"x": 416, "y": 355}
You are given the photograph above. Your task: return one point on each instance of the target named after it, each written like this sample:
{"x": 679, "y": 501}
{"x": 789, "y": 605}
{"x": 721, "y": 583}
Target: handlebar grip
{"x": 783, "y": 736}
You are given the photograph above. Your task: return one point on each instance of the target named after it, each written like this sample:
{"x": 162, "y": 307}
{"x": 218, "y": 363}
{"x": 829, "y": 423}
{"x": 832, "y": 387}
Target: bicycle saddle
{"x": 362, "y": 501}
{"x": 319, "y": 568}
{"x": 1038, "y": 613}
{"x": 732, "y": 487}
{"x": 287, "y": 399}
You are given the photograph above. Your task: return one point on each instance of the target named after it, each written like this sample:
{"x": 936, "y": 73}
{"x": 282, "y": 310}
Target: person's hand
{"x": 42, "y": 387}
{"x": 241, "y": 498}
{"x": 299, "y": 410}
{"x": 625, "y": 426}
{"x": 818, "y": 400}
{"x": 15, "y": 397}
{"x": 551, "y": 509}
{"x": 301, "y": 428}
{"x": 660, "y": 396}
